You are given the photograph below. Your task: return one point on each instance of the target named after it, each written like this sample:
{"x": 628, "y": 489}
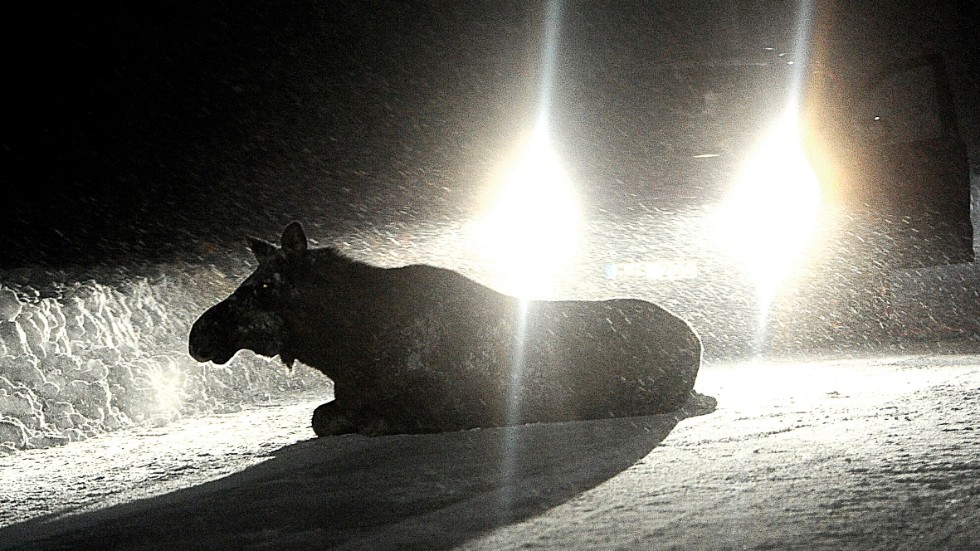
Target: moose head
{"x": 252, "y": 317}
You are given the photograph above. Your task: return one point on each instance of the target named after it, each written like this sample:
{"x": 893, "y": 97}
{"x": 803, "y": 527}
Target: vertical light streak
{"x": 530, "y": 225}
{"x": 548, "y": 62}
{"x": 801, "y": 51}
{"x": 801, "y": 58}
{"x": 511, "y": 434}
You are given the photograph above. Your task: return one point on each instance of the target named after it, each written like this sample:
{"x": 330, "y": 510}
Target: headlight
{"x": 772, "y": 210}
{"x": 531, "y": 221}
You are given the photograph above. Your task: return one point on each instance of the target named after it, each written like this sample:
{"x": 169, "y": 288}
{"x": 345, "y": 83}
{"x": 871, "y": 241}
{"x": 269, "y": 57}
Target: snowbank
{"x": 86, "y": 358}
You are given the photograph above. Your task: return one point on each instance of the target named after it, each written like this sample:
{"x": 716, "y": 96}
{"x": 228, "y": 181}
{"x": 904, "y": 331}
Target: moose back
{"x": 424, "y": 349}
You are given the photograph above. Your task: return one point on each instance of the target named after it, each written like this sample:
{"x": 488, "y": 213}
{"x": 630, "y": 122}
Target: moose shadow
{"x": 431, "y": 491}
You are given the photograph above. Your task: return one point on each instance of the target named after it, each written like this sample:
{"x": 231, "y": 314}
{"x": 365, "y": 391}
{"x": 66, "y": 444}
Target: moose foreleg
{"x": 329, "y": 420}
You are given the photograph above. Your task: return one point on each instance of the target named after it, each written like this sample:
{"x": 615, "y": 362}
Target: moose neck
{"x": 338, "y": 313}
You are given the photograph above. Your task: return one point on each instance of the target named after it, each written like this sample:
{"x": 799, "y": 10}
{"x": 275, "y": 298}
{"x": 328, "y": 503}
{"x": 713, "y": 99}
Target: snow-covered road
{"x": 858, "y": 454}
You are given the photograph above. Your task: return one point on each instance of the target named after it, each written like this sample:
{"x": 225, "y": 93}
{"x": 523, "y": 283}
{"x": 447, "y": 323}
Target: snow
{"x": 91, "y": 358}
{"x": 111, "y": 436}
{"x": 877, "y": 453}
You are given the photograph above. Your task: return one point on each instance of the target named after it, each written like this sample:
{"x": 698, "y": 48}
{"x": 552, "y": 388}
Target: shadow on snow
{"x": 430, "y": 491}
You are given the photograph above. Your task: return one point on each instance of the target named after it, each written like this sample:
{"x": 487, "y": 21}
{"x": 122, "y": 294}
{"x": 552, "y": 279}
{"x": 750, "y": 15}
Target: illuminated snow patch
{"x": 95, "y": 358}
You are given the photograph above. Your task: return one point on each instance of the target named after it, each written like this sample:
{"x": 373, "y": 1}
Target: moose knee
{"x": 330, "y": 420}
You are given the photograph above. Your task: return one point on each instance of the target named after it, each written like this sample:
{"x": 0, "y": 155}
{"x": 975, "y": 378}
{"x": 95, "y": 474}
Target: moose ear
{"x": 263, "y": 250}
{"x": 294, "y": 239}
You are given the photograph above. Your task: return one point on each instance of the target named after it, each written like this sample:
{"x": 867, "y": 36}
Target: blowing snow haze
{"x": 140, "y": 133}
{"x": 140, "y": 144}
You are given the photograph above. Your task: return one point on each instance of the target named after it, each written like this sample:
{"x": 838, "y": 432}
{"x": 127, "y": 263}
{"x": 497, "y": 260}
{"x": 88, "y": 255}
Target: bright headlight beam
{"x": 531, "y": 222}
{"x": 772, "y": 211}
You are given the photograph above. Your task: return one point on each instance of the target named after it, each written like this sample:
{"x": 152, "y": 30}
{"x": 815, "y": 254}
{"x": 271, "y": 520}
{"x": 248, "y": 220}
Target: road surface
{"x": 877, "y": 453}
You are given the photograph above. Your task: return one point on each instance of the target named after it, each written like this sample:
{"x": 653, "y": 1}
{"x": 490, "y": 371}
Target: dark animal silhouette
{"x": 424, "y": 349}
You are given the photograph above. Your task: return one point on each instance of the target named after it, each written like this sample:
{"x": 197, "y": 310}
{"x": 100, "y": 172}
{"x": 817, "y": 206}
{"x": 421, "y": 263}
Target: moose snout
{"x": 198, "y": 345}
{"x": 204, "y": 339}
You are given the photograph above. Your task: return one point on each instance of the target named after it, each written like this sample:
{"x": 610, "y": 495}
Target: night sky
{"x": 145, "y": 133}
{"x": 139, "y": 132}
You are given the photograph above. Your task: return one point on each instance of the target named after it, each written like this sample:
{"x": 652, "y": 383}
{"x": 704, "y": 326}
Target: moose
{"x": 424, "y": 349}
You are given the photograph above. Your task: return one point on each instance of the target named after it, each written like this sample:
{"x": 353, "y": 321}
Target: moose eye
{"x": 263, "y": 288}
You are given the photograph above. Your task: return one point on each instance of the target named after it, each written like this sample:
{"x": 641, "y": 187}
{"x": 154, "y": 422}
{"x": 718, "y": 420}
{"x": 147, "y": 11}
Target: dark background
{"x": 131, "y": 131}
{"x": 143, "y": 133}
{"x": 138, "y": 131}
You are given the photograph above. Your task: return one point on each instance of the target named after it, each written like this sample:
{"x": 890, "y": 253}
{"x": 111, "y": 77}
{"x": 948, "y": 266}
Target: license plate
{"x": 658, "y": 270}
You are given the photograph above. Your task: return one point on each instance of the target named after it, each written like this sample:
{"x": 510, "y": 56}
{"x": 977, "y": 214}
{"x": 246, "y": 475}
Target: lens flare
{"x": 529, "y": 230}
